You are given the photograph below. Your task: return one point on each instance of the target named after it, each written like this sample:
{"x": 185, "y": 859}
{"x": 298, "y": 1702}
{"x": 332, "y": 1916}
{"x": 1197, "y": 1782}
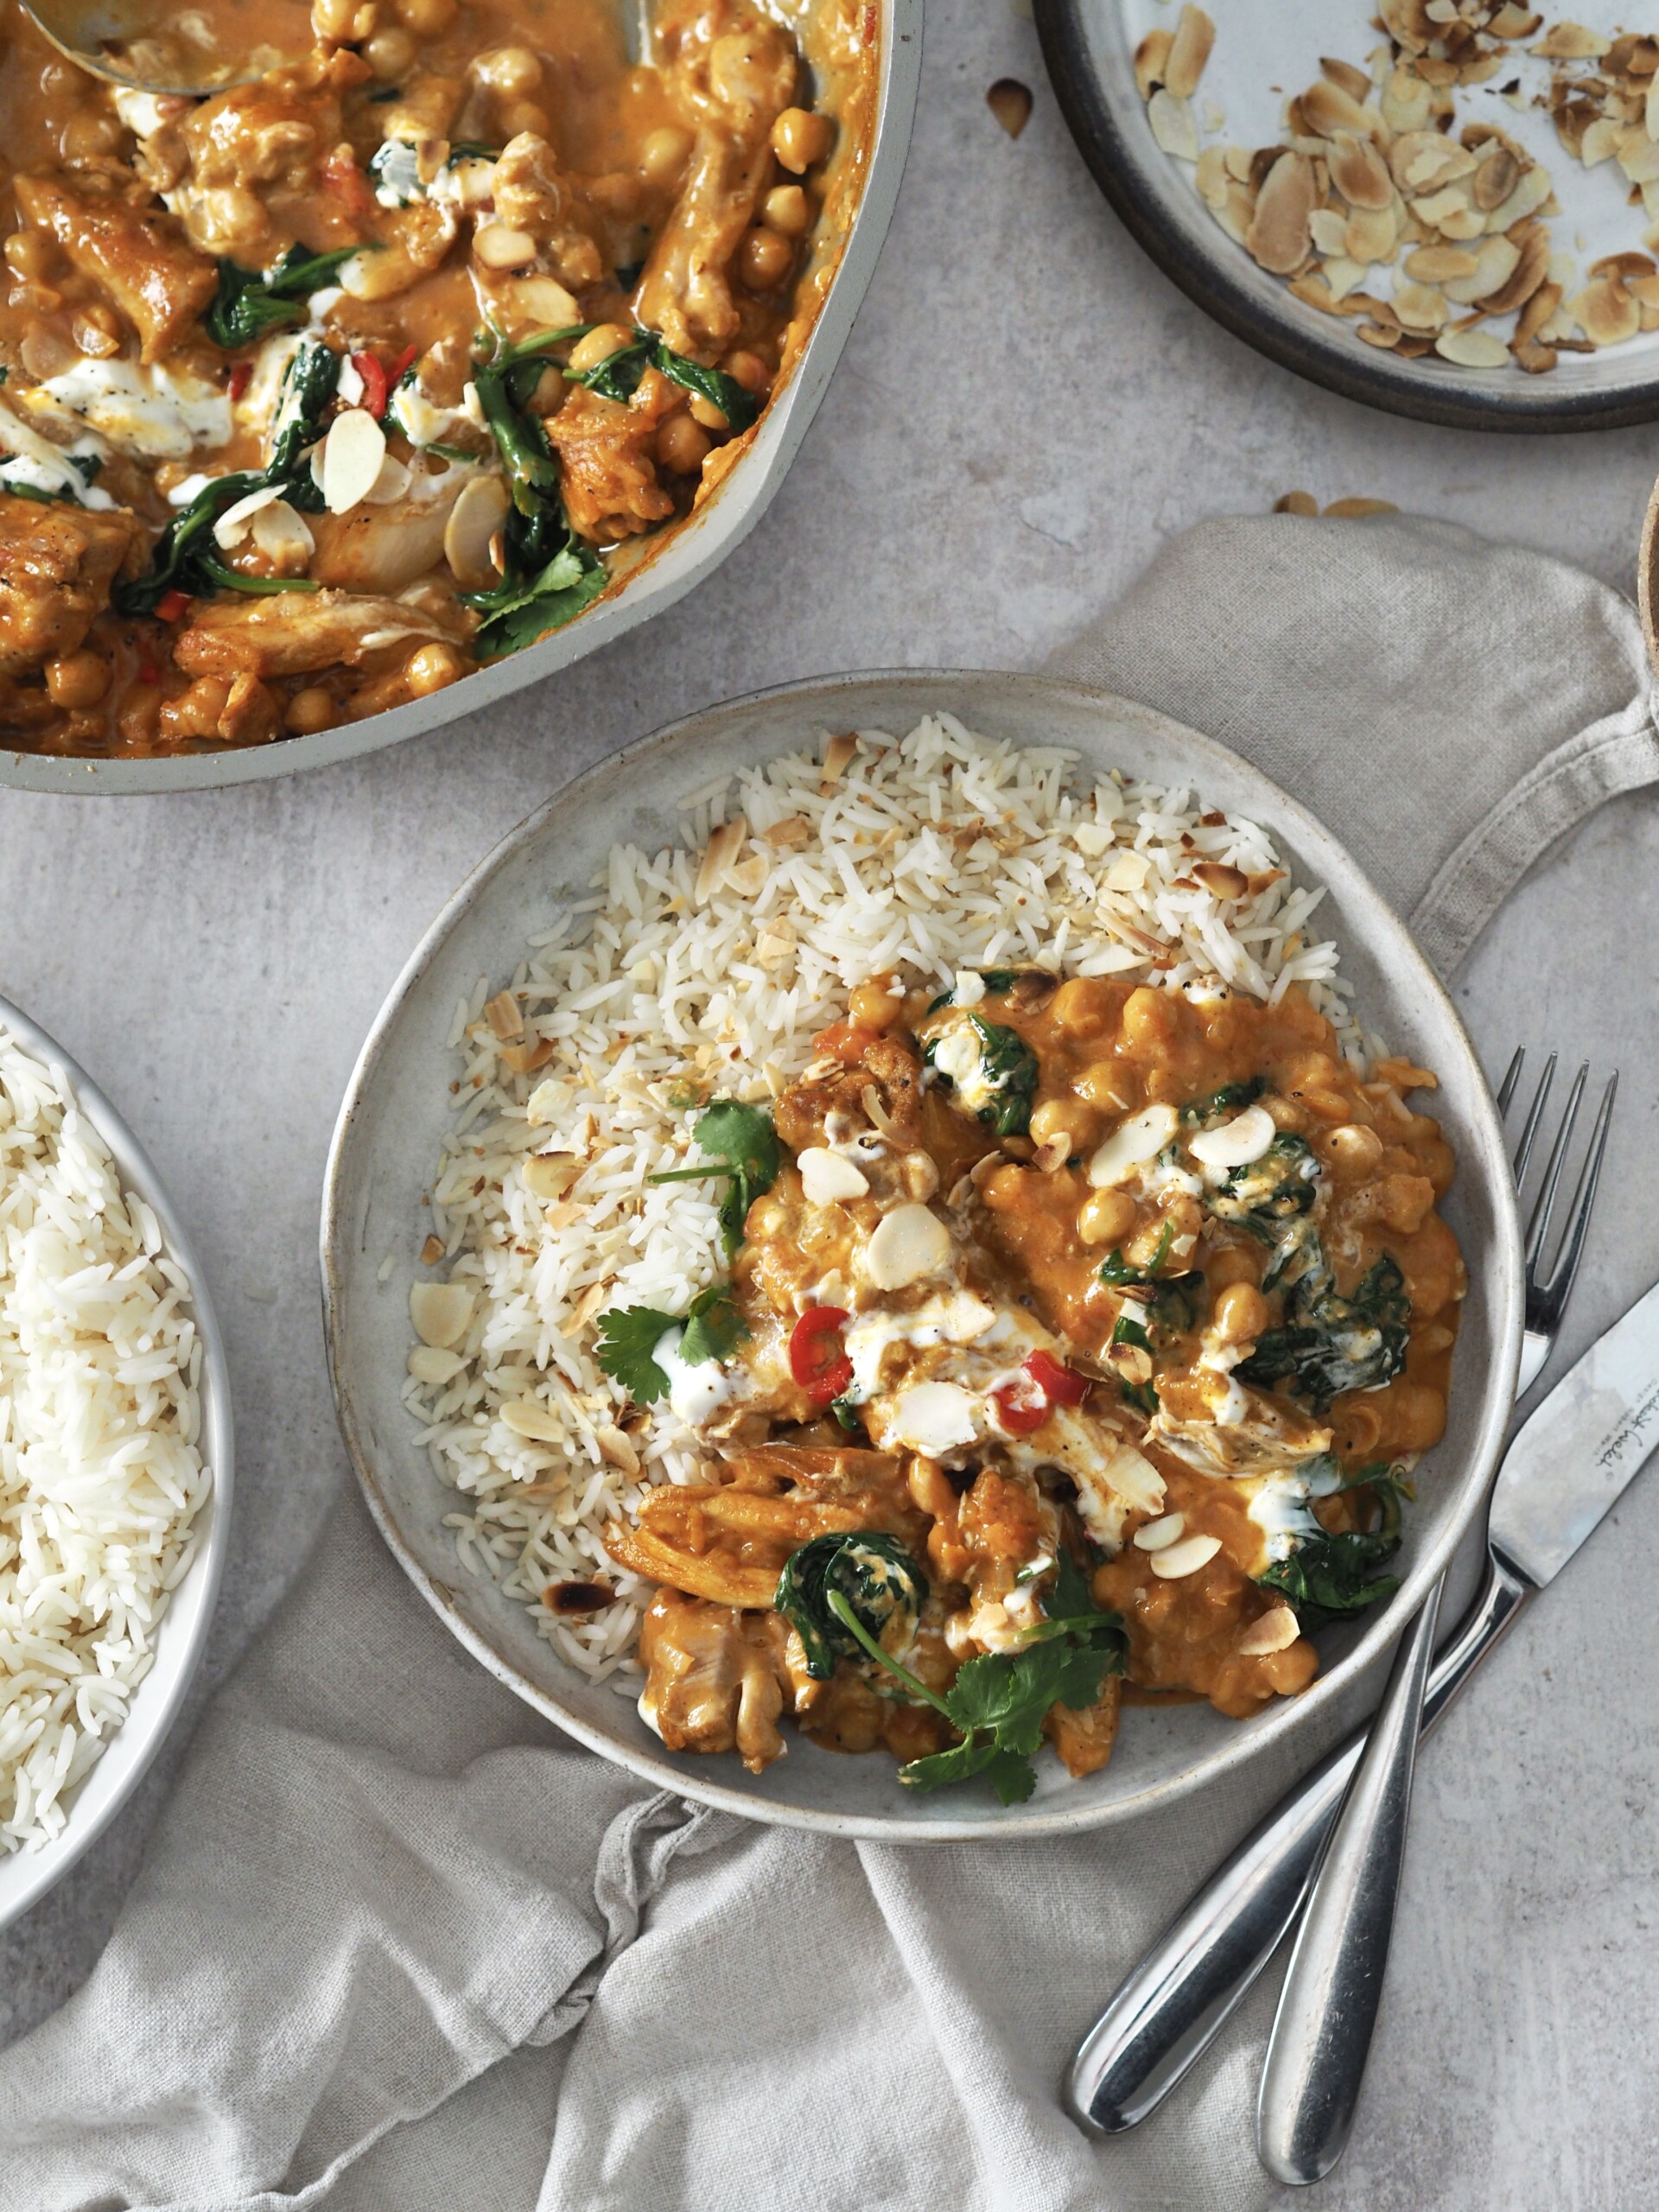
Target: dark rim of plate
{"x": 1289, "y": 334}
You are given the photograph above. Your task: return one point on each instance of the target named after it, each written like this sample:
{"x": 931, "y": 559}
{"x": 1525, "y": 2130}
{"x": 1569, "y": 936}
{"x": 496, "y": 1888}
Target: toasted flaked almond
{"x": 910, "y": 1244}
{"x": 1420, "y": 306}
{"x": 1624, "y": 266}
{"x": 793, "y": 830}
{"x": 617, "y": 1449}
{"x": 1157, "y": 1536}
{"x": 1173, "y": 125}
{"x": 1606, "y": 312}
{"x": 470, "y": 535}
{"x": 1535, "y": 358}
{"x": 1275, "y": 1630}
{"x": 1633, "y": 54}
{"x": 283, "y": 535}
{"x": 1496, "y": 261}
{"x": 1529, "y": 194}
{"x": 1296, "y": 503}
{"x": 1424, "y": 161}
{"x": 837, "y": 758}
{"x": 1440, "y": 264}
{"x": 1326, "y": 109}
{"x": 1238, "y": 160}
{"x": 1135, "y": 1142}
{"x": 237, "y": 520}
{"x": 549, "y": 1175}
{"x": 499, "y": 246}
{"x": 531, "y": 1419}
{"x": 1185, "y": 1558}
{"x": 1472, "y": 349}
{"x": 582, "y": 1311}
{"x": 1009, "y": 101}
{"x": 1374, "y": 232}
{"x": 1495, "y": 178}
{"x": 718, "y": 854}
{"x": 1151, "y": 60}
{"x": 1354, "y": 510}
{"x": 440, "y": 1312}
{"x": 1329, "y": 230}
{"x": 1406, "y": 101}
{"x": 1211, "y": 177}
{"x": 533, "y": 1053}
{"x": 1346, "y": 77}
{"x": 543, "y": 304}
{"x": 829, "y": 1178}
{"x": 1512, "y": 21}
{"x": 1531, "y": 266}
{"x": 1236, "y": 1143}
{"x": 1236, "y": 212}
{"x": 1194, "y": 36}
{"x": 351, "y": 454}
{"x": 391, "y": 485}
{"x": 1222, "y": 879}
{"x": 505, "y": 1015}
{"x": 1638, "y": 156}
{"x": 1601, "y": 142}
{"x": 1384, "y": 336}
{"x": 434, "y": 1368}
{"x": 1571, "y": 43}
{"x": 1644, "y": 289}
{"x": 431, "y": 1251}
{"x": 1278, "y": 235}
{"x": 1359, "y": 172}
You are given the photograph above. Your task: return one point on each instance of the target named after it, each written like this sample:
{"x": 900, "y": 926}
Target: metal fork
{"x": 1168, "y": 2010}
{"x": 1322, "y": 2030}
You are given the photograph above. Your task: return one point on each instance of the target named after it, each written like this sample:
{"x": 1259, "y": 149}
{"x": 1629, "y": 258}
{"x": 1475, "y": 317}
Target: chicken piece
{"x": 1084, "y": 1740}
{"x": 382, "y": 549}
{"x": 295, "y": 633}
{"x": 1213, "y": 1423}
{"x": 733, "y": 71}
{"x": 138, "y": 254}
{"x": 714, "y": 1678}
{"x": 273, "y": 131}
{"x": 57, "y": 562}
{"x": 802, "y": 1113}
{"x": 532, "y": 196}
{"x": 607, "y": 475}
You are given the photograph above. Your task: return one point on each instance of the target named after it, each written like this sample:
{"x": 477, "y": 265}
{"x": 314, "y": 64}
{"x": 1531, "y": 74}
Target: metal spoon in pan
{"x": 147, "y": 46}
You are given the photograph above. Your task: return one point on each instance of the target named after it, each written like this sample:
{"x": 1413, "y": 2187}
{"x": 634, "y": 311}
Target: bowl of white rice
{"x": 679, "y": 923}
{"x": 115, "y": 1462}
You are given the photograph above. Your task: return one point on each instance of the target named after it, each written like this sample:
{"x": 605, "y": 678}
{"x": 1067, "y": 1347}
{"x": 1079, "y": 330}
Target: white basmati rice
{"x": 684, "y": 977}
{"x": 100, "y": 1474}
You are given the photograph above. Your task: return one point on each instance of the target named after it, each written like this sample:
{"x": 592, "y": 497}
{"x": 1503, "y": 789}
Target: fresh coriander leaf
{"x": 741, "y": 1143}
{"x": 713, "y": 1327}
{"x": 628, "y": 1337}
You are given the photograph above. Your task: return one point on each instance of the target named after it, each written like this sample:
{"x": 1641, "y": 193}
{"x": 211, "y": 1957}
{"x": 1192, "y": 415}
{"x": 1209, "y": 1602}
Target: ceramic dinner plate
{"x": 399, "y": 1106}
{"x": 26, "y": 1876}
{"x": 1266, "y": 50}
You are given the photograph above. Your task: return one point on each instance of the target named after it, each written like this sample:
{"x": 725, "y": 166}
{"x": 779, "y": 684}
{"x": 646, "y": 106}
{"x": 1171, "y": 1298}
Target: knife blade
{"x": 1570, "y": 1461}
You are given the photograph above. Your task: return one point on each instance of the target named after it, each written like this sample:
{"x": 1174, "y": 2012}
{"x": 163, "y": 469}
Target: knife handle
{"x": 1168, "y": 2009}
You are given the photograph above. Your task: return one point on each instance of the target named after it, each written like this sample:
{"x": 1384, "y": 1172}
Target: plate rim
{"x": 137, "y": 1172}
{"x": 1135, "y": 188}
{"x": 1252, "y": 1739}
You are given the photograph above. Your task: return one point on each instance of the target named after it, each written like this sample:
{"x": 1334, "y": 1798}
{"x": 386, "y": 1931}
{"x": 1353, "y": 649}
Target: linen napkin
{"x": 399, "y": 1943}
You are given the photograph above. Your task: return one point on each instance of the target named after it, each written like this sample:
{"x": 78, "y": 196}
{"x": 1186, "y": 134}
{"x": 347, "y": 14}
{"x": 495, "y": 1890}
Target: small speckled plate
{"x": 1262, "y": 54}
{"x": 398, "y": 1108}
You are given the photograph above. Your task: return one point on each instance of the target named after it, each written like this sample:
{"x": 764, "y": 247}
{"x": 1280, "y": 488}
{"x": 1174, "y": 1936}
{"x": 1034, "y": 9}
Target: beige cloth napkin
{"x": 399, "y": 1943}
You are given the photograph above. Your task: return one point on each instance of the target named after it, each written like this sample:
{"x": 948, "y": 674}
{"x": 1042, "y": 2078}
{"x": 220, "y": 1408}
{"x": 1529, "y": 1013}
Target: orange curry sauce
{"x": 541, "y": 178}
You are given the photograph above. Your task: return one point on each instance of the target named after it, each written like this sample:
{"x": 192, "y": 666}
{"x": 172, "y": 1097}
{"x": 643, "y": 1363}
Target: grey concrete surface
{"x": 1026, "y": 410}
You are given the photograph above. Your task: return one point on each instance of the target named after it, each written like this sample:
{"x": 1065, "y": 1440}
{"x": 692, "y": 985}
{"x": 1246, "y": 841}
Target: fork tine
{"x": 1538, "y": 1227}
{"x": 1584, "y": 1199}
{"x": 1506, "y": 1090}
{"x": 1535, "y": 1114}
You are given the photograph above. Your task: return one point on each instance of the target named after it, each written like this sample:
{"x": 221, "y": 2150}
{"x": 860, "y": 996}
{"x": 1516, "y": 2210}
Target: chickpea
{"x": 1106, "y": 1218}
{"x": 343, "y": 21}
{"x": 33, "y": 255}
{"x": 196, "y": 711}
{"x": 930, "y": 1491}
{"x": 1290, "y": 1671}
{"x": 748, "y": 370}
{"x": 1147, "y": 1020}
{"x": 787, "y": 210}
{"x": 513, "y": 70}
{"x": 1003, "y": 1188}
{"x": 430, "y": 668}
{"x": 1351, "y": 1151}
{"x": 1231, "y": 1263}
{"x": 1107, "y": 1084}
{"x": 548, "y": 395}
{"x": 605, "y": 339}
{"x": 96, "y": 331}
{"x": 391, "y": 54}
{"x": 872, "y": 1005}
{"x": 705, "y": 411}
{"x": 765, "y": 259}
{"x": 1241, "y": 1314}
{"x": 1416, "y": 1416}
{"x": 85, "y": 135}
{"x": 800, "y": 137}
{"x": 77, "y": 680}
{"x": 1081, "y": 1006}
{"x": 523, "y": 115}
{"x": 309, "y": 711}
{"x": 683, "y": 446}
{"x": 1327, "y": 1105}
{"x": 1063, "y": 1117}
{"x": 140, "y": 714}
{"x": 426, "y": 18}
{"x": 663, "y": 155}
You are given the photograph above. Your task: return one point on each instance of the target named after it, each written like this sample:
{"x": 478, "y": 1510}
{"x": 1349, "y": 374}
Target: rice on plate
{"x": 705, "y": 972}
{"x": 102, "y": 1473}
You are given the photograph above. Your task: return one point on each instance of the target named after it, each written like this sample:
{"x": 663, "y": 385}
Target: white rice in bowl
{"x": 101, "y": 1477}
{"x": 704, "y": 971}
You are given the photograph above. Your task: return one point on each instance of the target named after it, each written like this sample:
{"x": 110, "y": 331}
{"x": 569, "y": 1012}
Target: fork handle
{"x": 1168, "y": 2009}
{"x": 1327, "y": 2008}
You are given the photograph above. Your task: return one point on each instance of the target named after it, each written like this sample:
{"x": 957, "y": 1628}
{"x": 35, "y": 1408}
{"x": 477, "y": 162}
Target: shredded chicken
{"x": 714, "y": 1678}
{"x": 290, "y": 633}
{"x": 138, "y": 253}
{"x": 57, "y": 562}
{"x": 609, "y": 477}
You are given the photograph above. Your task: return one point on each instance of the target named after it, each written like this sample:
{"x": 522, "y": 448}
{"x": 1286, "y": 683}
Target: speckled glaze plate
{"x": 398, "y": 1108}
{"x": 1265, "y": 50}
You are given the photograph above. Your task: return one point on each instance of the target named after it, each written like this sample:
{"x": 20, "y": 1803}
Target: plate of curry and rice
{"x": 921, "y": 1256}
